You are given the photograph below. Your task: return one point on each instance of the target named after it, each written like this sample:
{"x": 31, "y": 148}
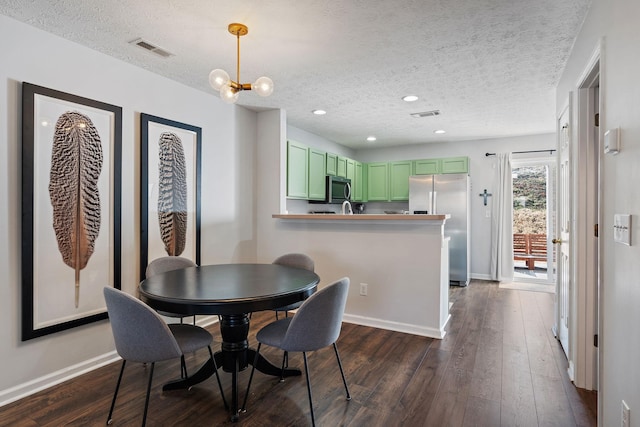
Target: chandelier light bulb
{"x": 229, "y": 94}
{"x": 218, "y": 78}
{"x": 263, "y": 86}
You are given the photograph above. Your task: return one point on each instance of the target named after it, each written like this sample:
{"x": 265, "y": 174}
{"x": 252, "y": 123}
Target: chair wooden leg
{"x": 253, "y": 368}
{"x": 115, "y": 394}
{"x": 344, "y": 380}
{"x": 306, "y": 372}
{"x": 146, "y": 401}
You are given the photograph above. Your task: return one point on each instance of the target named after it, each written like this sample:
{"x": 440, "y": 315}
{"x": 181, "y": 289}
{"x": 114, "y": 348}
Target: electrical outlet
{"x": 363, "y": 289}
{"x": 626, "y": 415}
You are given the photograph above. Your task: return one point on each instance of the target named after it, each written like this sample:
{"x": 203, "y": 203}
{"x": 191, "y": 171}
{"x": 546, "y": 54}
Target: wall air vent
{"x": 151, "y": 48}
{"x": 431, "y": 113}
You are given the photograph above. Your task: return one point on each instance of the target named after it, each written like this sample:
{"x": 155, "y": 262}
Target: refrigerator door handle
{"x": 434, "y": 207}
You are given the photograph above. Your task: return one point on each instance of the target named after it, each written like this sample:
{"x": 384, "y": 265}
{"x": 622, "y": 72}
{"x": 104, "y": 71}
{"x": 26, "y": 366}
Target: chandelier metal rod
{"x": 238, "y": 59}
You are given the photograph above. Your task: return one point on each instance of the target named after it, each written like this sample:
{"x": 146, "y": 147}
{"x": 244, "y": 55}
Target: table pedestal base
{"x": 234, "y": 357}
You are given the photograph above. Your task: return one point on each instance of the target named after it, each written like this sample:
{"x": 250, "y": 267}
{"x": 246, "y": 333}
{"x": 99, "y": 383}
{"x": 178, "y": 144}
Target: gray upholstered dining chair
{"x": 316, "y": 325}
{"x": 169, "y": 263}
{"x": 141, "y": 335}
{"x": 295, "y": 260}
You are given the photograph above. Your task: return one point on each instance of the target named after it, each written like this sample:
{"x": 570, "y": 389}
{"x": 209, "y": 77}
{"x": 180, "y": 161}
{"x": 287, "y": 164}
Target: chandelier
{"x": 229, "y": 89}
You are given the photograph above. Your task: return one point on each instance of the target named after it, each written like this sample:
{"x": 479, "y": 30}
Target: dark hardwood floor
{"x": 499, "y": 365}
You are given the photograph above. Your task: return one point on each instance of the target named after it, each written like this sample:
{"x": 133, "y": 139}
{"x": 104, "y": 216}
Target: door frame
{"x": 550, "y": 161}
{"x": 585, "y": 299}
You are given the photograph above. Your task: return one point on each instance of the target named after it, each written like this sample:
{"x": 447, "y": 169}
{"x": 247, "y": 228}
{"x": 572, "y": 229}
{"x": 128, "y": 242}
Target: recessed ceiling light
{"x": 440, "y": 131}
{"x": 319, "y": 112}
{"x": 371, "y": 138}
{"x": 410, "y": 98}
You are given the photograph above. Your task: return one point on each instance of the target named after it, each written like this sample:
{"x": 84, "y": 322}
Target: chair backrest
{"x": 167, "y": 263}
{"x": 139, "y": 332}
{"x": 317, "y": 322}
{"x": 296, "y": 261}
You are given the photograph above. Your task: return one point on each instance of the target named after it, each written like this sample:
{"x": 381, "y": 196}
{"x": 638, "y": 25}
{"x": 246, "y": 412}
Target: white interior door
{"x": 562, "y": 243}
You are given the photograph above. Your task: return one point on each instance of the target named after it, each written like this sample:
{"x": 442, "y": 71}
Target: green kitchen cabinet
{"x": 297, "y": 170}
{"x": 378, "y": 182}
{"x": 455, "y": 165}
{"x": 316, "y": 175}
{"x": 332, "y": 164}
{"x": 342, "y": 167}
{"x": 357, "y": 183}
{"x": 399, "y": 173}
{"x": 427, "y": 166}
{"x": 350, "y": 168}
{"x": 351, "y": 174}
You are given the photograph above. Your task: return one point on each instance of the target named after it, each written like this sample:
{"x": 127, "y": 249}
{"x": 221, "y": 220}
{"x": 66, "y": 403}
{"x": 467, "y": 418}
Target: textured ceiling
{"x": 489, "y": 66}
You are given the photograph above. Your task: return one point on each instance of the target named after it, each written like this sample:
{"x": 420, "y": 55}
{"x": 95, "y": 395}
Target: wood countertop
{"x": 364, "y": 217}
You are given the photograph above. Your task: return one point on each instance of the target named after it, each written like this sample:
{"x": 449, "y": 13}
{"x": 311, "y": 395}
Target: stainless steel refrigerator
{"x": 446, "y": 194}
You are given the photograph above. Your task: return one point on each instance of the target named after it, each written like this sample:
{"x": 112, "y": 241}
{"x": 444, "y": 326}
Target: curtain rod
{"x": 524, "y": 152}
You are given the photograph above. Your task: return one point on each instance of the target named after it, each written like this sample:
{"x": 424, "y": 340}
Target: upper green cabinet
{"x": 373, "y": 182}
{"x": 455, "y": 165}
{"x": 378, "y": 182}
{"x": 306, "y": 170}
{"x": 399, "y": 173}
{"x": 316, "y": 174}
{"x": 357, "y": 183}
{"x": 297, "y": 170}
{"x": 426, "y": 167}
{"x": 443, "y": 165}
{"x": 342, "y": 167}
{"x": 332, "y": 164}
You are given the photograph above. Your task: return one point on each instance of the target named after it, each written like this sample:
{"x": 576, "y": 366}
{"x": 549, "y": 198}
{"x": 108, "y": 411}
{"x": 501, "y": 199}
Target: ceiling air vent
{"x": 431, "y": 113}
{"x": 151, "y": 48}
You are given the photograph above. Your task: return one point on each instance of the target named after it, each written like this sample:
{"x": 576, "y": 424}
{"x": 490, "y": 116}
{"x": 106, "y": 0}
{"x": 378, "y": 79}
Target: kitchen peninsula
{"x": 398, "y": 265}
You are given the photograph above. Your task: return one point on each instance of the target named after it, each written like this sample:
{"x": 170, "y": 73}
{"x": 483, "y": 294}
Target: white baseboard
{"x": 396, "y": 326}
{"x": 571, "y": 371}
{"x": 481, "y": 276}
{"x": 26, "y": 389}
{"x": 23, "y": 390}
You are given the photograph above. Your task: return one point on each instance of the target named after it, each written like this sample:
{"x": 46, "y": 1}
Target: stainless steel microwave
{"x": 338, "y": 190}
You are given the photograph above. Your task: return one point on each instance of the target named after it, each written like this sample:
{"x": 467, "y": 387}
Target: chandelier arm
{"x": 238, "y": 58}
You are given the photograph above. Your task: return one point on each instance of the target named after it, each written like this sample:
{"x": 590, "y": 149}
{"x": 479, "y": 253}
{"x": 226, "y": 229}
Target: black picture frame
{"x": 151, "y": 243}
{"x": 46, "y": 279}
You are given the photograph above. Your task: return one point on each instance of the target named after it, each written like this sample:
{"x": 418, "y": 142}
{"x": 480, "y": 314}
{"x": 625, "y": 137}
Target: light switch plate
{"x": 622, "y": 229}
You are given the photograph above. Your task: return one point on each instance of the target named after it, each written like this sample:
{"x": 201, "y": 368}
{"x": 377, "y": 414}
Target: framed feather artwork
{"x": 71, "y": 183}
{"x": 169, "y": 190}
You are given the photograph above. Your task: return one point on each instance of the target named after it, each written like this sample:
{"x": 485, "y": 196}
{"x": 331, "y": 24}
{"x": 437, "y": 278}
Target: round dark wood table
{"x": 231, "y": 291}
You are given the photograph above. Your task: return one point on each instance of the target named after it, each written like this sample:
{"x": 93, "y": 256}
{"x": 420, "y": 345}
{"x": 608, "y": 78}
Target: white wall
{"x": 481, "y": 170}
{"x": 615, "y": 23}
{"x": 228, "y": 231}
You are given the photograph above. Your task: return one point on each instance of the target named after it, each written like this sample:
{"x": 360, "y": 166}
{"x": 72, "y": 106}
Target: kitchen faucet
{"x": 349, "y": 211}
